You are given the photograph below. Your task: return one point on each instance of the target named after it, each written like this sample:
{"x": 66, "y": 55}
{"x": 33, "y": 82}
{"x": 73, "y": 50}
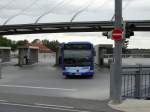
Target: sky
{"x": 49, "y": 11}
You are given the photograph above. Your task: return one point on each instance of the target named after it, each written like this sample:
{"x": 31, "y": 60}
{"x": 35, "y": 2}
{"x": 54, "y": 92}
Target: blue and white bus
{"x": 77, "y": 59}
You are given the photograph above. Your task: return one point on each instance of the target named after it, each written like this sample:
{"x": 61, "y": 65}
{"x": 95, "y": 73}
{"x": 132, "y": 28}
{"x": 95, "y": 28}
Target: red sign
{"x": 117, "y": 34}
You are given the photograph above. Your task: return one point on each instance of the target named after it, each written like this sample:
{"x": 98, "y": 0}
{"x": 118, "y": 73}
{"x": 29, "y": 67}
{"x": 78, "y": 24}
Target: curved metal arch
{"x": 82, "y": 10}
{"x": 47, "y": 12}
{"x": 20, "y": 12}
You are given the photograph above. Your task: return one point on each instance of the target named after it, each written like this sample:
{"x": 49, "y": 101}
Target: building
{"x": 42, "y": 48}
{"x": 28, "y": 55}
{"x": 5, "y": 54}
{"x": 101, "y": 50}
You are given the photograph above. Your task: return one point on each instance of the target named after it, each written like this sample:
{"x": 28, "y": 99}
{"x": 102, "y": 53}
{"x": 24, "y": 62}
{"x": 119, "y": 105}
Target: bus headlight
{"x": 91, "y": 70}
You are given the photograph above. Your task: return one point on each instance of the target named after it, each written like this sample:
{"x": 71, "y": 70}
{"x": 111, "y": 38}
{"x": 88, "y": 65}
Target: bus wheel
{"x": 67, "y": 77}
{"x": 91, "y": 77}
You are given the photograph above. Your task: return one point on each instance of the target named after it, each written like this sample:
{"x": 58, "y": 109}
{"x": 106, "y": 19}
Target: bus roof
{"x": 78, "y": 43}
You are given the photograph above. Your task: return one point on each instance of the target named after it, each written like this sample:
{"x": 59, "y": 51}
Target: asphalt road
{"x": 32, "y": 103}
{"x": 13, "y": 107}
{"x": 45, "y": 80}
{"x": 22, "y": 88}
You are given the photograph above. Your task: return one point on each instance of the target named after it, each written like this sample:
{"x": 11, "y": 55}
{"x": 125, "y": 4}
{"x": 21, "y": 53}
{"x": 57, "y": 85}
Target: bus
{"x": 77, "y": 59}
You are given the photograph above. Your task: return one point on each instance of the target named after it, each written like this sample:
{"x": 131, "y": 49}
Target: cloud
{"x": 63, "y": 11}
{"x": 97, "y": 10}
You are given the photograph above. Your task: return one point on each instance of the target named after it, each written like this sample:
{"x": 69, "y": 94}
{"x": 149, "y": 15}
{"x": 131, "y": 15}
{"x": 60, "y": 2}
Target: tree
{"x": 13, "y": 46}
{"x": 35, "y": 41}
{"x": 22, "y": 43}
{"x": 5, "y": 42}
{"x": 8, "y": 43}
{"x": 53, "y": 45}
{"x": 46, "y": 43}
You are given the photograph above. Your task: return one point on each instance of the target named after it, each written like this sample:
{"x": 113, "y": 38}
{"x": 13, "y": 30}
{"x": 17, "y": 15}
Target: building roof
{"x": 42, "y": 48}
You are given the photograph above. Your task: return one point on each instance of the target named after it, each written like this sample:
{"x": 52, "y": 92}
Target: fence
{"x": 136, "y": 81}
{"x": 129, "y": 55}
{"x": 47, "y": 58}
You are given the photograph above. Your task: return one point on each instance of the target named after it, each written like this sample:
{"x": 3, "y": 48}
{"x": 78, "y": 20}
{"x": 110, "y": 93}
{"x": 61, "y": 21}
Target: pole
{"x": 0, "y": 69}
{"x": 117, "y": 55}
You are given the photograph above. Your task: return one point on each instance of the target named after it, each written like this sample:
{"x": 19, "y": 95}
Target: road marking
{"x": 3, "y": 101}
{"x": 59, "y": 106}
{"x": 34, "y": 106}
{"x": 33, "y": 87}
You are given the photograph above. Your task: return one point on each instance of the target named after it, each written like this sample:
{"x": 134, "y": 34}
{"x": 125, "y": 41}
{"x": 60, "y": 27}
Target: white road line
{"x": 33, "y": 87}
{"x": 34, "y": 106}
{"x": 3, "y": 101}
{"x": 59, "y": 106}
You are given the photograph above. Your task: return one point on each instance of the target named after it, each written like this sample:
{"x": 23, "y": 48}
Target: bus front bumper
{"x": 78, "y": 74}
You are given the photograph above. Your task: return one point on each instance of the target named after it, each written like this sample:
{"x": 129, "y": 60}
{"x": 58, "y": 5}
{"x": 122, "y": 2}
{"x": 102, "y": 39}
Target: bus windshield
{"x": 77, "y": 57}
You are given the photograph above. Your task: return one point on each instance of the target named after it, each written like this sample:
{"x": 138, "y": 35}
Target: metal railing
{"x": 136, "y": 81}
{"x": 145, "y": 55}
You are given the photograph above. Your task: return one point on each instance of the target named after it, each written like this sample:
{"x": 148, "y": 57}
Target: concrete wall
{"x": 5, "y": 54}
{"x": 33, "y": 55}
{"x": 28, "y": 55}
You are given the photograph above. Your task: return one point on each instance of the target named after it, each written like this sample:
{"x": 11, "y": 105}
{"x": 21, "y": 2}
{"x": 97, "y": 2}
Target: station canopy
{"x": 50, "y": 11}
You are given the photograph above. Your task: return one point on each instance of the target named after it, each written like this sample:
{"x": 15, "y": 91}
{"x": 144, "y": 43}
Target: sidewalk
{"x": 132, "y": 105}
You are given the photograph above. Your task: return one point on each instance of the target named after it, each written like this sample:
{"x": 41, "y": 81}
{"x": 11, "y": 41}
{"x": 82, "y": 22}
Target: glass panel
{"x": 77, "y": 54}
{"x": 77, "y": 58}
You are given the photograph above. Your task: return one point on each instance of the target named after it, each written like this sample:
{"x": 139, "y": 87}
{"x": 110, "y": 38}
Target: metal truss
{"x": 64, "y": 27}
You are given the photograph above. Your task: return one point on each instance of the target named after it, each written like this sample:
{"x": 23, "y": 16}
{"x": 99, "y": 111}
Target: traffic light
{"x": 107, "y": 34}
{"x": 129, "y": 30}
{"x": 125, "y": 44}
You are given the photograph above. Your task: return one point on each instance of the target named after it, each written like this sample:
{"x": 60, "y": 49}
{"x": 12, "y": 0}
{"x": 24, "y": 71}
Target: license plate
{"x": 78, "y": 74}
